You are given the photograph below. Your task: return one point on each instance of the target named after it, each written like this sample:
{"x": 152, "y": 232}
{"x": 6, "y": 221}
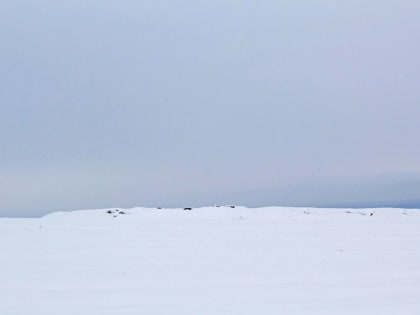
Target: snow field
{"x": 214, "y": 260}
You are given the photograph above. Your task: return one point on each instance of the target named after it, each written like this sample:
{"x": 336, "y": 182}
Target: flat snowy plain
{"x": 215, "y": 260}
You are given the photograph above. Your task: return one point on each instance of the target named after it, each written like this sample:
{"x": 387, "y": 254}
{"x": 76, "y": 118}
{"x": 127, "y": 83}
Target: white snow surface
{"x": 213, "y": 260}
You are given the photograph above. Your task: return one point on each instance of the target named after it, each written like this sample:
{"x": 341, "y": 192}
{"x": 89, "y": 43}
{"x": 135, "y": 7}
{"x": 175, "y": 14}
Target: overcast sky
{"x": 188, "y": 103}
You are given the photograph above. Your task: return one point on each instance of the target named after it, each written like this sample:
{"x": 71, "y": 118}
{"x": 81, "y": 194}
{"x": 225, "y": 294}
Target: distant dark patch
{"x": 232, "y": 207}
{"x": 187, "y": 208}
{"x": 110, "y": 211}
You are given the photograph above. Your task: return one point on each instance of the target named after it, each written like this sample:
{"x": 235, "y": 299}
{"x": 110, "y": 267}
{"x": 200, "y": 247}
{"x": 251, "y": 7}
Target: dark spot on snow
{"x": 231, "y": 207}
{"x": 187, "y": 208}
{"x": 110, "y": 211}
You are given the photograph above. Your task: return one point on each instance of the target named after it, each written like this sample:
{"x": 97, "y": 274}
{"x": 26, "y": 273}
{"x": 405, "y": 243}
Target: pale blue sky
{"x": 173, "y": 103}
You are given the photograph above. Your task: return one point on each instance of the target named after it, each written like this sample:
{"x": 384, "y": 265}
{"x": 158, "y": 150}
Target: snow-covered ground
{"x": 215, "y": 260}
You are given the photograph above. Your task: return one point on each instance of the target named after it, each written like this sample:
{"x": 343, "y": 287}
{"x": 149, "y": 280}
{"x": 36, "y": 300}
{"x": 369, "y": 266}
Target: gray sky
{"x": 173, "y": 103}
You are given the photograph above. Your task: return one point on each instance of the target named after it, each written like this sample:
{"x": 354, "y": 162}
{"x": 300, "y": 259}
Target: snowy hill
{"x": 214, "y": 260}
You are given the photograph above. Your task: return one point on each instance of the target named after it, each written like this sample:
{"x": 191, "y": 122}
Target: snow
{"x": 213, "y": 260}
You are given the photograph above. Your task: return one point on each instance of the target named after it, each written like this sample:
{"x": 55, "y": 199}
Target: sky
{"x": 191, "y": 103}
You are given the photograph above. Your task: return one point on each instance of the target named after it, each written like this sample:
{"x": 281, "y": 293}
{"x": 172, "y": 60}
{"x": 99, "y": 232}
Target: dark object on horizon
{"x": 371, "y": 214}
{"x": 187, "y": 208}
{"x": 232, "y": 207}
{"x": 115, "y": 212}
